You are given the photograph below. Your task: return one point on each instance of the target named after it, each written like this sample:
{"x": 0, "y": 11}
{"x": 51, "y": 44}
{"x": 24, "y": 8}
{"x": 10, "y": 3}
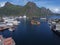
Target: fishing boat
{"x": 34, "y": 22}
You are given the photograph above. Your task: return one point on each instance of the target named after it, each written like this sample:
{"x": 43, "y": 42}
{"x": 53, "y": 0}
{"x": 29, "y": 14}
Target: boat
{"x": 6, "y": 41}
{"x": 3, "y": 26}
{"x": 9, "y": 23}
{"x": 35, "y": 22}
{"x": 55, "y": 26}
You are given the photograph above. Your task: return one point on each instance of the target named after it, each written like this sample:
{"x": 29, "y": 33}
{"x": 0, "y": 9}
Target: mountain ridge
{"x": 30, "y": 9}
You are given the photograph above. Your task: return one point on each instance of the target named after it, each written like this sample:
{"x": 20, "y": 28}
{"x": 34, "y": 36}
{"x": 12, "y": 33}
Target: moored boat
{"x": 34, "y": 22}
{"x": 8, "y": 23}
{"x": 6, "y": 41}
{"x": 55, "y": 26}
{"x": 3, "y": 26}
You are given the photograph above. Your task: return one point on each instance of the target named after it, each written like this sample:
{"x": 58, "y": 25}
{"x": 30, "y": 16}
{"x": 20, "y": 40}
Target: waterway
{"x": 27, "y": 34}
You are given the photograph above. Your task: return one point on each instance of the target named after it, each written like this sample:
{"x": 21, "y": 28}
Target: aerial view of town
{"x": 29, "y": 22}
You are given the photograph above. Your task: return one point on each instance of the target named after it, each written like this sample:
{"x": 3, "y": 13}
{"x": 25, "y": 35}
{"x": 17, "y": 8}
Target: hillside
{"x": 30, "y": 9}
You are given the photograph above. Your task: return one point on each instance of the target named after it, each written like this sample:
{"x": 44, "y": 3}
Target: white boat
{"x": 55, "y": 26}
{"x": 9, "y": 22}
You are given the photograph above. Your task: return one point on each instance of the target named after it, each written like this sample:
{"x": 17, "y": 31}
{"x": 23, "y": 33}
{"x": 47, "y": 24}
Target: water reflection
{"x": 27, "y": 34}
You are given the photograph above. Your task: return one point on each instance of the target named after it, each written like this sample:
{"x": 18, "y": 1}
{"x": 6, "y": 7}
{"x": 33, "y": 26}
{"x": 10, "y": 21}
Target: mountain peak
{"x": 30, "y": 9}
{"x": 31, "y": 4}
{"x": 7, "y": 4}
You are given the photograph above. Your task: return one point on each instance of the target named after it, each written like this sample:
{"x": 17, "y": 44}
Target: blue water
{"x": 27, "y": 34}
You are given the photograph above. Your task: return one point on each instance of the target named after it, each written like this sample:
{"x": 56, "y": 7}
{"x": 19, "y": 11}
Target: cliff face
{"x": 30, "y": 9}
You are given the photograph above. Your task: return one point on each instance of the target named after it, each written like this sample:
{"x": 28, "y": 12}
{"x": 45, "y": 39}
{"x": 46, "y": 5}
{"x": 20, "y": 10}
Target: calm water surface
{"x": 27, "y": 34}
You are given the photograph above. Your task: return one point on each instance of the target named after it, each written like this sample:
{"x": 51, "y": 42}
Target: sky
{"x": 53, "y": 5}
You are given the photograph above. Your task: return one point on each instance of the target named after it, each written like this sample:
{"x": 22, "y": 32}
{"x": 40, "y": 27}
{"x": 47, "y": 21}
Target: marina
{"x": 29, "y": 22}
{"x": 54, "y": 25}
{"x": 8, "y": 23}
{"x": 32, "y": 34}
{"x": 35, "y": 34}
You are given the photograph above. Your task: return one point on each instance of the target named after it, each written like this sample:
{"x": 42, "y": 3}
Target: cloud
{"x": 2, "y": 4}
{"x": 55, "y": 9}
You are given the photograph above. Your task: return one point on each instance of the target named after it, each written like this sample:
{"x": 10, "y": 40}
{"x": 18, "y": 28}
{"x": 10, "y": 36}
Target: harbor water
{"x": 27, "y": 34}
